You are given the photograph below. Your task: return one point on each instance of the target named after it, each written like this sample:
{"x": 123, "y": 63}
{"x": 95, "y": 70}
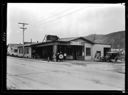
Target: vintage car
{"x": 111, "y": 57}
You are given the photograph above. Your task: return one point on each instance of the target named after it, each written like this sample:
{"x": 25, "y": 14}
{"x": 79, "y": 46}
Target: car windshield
{"x": 115, "y": 54}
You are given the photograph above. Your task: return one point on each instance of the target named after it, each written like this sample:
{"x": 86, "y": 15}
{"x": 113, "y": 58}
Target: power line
{"x": 50, "y": 17}
{"x": 59, "y": 17}
{"x": 55, "y": 16}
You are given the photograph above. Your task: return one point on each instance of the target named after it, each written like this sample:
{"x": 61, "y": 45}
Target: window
{"x": 88, "y": 51}
{"x": 26, "y": 50}
{"x": 98, "y": 54}
{"x": 15, "y": 50}
{"x": 69, "y": 50}
{"x": 79, "y": 50}
{"x": 98, "y": 51}
{"x": 20, "y": 50}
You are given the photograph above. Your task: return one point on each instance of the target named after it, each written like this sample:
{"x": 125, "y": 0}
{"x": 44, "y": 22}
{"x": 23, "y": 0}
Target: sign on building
{"x": 76, "y": 43}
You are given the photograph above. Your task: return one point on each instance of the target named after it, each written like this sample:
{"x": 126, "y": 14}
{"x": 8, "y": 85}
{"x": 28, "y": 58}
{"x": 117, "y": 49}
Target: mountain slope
{"x": 116, "y": 39}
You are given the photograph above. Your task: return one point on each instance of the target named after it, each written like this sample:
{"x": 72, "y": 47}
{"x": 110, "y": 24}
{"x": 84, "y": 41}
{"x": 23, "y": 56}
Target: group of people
{"x": 60, "y": 56}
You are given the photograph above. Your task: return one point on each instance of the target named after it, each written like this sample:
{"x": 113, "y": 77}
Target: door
{"x": 106, "y": 50}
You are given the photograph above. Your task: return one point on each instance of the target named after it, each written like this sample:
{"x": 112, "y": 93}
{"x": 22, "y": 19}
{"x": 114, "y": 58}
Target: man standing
{"x": 65, "y": 56}
{"x": 57, "y": 56}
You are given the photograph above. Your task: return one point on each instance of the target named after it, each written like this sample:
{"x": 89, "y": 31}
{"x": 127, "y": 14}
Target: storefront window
{"x": 88, "y": 51}
{"x": 26, "y": 50}
{"x": 15, "y": 50}
{"x": 20, "y": 50}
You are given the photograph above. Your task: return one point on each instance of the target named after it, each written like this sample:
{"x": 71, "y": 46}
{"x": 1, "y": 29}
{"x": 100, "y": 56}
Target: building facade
{"x": 12, "y": 49}
{"x": 77, "y": 48}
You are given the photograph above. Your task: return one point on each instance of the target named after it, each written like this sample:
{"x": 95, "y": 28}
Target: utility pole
{"x": 23, "y": 27}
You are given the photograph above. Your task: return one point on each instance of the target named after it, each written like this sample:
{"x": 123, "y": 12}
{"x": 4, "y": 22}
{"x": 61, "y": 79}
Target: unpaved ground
{"x": 70, "y": 75}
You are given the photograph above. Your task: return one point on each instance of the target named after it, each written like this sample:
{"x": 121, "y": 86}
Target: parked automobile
{"x": 111, "y": 57}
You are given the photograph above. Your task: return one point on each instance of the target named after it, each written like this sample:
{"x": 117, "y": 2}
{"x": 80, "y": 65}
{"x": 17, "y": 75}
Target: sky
{"x": 62, "y": 19}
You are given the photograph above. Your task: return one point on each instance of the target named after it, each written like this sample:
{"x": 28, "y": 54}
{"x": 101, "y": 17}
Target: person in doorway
{"x": 65, "y": 56}
{"x": 97, "y": 56}
{"x": 57, "y": 56}
{"x": 48, "y": 59}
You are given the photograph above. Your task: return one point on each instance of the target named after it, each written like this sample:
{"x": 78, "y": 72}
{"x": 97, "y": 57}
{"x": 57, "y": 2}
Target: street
{"x": 33, "y": 74}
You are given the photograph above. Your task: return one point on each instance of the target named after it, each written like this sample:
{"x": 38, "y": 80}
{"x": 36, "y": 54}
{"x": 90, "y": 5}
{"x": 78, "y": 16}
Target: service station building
{"x": 76, "y": 48}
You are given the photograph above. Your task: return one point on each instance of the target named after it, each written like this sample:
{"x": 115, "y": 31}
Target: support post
{"x": 54, "y": 52}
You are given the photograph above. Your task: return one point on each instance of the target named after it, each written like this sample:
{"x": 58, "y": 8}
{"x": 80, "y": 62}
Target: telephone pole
{"x": 23, "y": 27}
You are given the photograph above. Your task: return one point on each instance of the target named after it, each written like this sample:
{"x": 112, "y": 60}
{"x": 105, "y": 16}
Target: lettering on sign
{"x": 76, "y": 43}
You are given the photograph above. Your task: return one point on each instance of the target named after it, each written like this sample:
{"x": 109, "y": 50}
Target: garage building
{"x": 76, "y": 48}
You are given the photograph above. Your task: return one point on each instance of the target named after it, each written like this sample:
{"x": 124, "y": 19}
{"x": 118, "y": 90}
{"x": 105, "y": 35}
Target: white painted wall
{"x": 94, "y": 48}
{"x": 11, "y": 51}
{"x": 29, "y": 55}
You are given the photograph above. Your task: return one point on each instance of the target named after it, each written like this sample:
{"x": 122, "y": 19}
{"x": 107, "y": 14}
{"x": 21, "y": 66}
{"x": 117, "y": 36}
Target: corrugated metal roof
{"x": 100, "y": 42}
{"x": 12, "y": 45}
{"x": 66, "y": 40}
{"x": 74, "y": 38}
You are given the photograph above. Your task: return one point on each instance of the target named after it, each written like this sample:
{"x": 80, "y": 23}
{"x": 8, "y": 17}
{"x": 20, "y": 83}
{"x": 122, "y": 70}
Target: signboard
{"x": 76, "y": 43}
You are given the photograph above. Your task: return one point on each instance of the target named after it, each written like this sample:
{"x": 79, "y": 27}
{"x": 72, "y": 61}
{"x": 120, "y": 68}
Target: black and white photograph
{"x": 65, "y": 46}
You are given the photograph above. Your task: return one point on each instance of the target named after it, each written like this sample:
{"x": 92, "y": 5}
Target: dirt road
{"x": 23, "y": 73}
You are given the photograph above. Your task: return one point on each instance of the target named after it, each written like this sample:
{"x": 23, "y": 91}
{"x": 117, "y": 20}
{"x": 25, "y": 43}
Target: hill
{"x": 116, "y": 39}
